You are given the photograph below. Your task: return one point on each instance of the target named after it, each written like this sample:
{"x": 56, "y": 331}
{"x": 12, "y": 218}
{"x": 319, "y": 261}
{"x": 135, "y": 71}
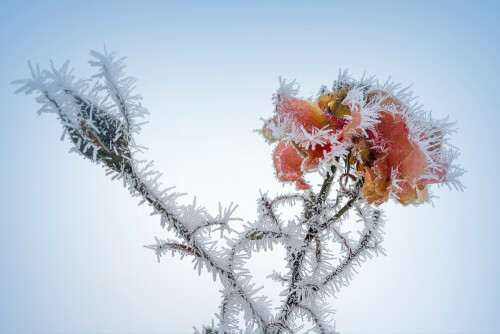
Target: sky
{"x": 71, "y": 255}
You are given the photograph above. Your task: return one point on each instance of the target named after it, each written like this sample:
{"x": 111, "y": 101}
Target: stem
{"x": 363, "y": 245}
{"x": 327, "y": 185}
{"x": 344, "y": 241}
{"x": 140, "y": 186}
{"x": 314, "y": 318}
{"x": 311, "y": 209}
{"x": 353, "y": 198}
{"x": 292, "y": 300}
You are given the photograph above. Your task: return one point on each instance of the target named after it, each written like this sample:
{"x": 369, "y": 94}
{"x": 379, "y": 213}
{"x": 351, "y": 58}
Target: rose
{"x": 396, "y": 150}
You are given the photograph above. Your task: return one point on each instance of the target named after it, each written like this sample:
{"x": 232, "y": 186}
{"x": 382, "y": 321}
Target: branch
{"x": 315, "y": 318}
{"x": 141, "y": 187}
{"x": 341, "y": 237}
{"x": 89, "y": 124}
{"x": 269, "y": 205}
{"x": 292, "y": 298}
{"x": 363, "y": 245}
{"x": 353, "y": 198}
{"x": 163, "y": 246}
{"x": 119, "y": 87}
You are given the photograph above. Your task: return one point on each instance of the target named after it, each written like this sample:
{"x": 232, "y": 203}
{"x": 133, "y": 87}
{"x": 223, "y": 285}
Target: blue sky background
{"x": 71, "y": 256}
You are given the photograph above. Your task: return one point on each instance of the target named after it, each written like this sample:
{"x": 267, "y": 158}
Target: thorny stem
{"x": 327, "y": 185}
{"x": 353, "y": 198}
{"x": 292, "y": 300}
{"x": 182, "y": 247}
{"x": 270, "y": 207}
{"x": 344, "y": 241}
{"x": 209, "y": 224}
{"x": 120, "y": 101}
{"x": 363, "y": 245}
{"x": 314, "y": 317}
{"x": 140, "y": 186}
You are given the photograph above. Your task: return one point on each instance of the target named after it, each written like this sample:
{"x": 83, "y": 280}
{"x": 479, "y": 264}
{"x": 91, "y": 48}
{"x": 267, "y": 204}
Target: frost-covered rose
{"x": 395, "y": 147}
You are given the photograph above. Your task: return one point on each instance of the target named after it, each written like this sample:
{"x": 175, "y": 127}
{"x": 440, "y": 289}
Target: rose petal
{"x": 288, "y": 162}
{"x": 302, "y": 113}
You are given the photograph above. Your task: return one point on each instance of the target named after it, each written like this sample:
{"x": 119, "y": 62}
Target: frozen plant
{"x": 368, "y": 141}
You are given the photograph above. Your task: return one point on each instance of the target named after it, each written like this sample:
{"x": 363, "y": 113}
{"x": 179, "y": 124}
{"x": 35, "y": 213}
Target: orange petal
{"x": 412, "y": 194}
{"x": 314, "y": 156}
{"x": 414, "y": 165}
{"x": 374, "y": 188}
{"x": 352, "y": 127}
{"x": 302, "y": 113}
{"x": 287, "y": 162}
{"x": 301, "y": 184}
{"x": 360, "y": 153}
{"x": 392, "y": 135}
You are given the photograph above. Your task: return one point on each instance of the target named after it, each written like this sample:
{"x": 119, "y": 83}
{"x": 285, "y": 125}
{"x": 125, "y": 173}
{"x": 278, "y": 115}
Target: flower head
{"x": 394, "y": 146}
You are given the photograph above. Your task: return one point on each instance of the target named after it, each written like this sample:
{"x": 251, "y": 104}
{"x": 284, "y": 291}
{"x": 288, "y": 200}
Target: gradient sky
{"x": 71, "y": 256}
